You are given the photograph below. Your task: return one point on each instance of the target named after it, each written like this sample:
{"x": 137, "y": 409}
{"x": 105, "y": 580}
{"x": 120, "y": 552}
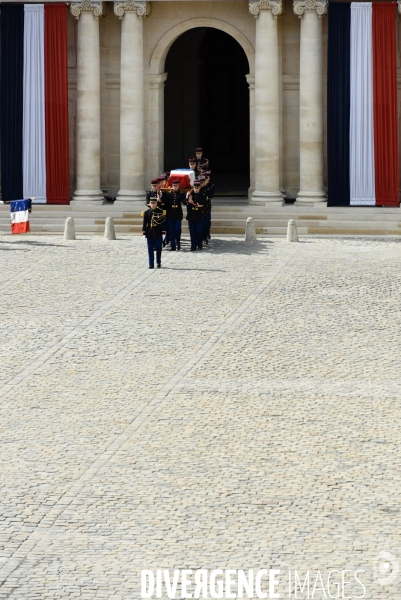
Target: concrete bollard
{"x": 292, "y": 233}
{"x": 109, "y": 231}
{"x": 69, "y": 229}
{"x": 250, "y": 233}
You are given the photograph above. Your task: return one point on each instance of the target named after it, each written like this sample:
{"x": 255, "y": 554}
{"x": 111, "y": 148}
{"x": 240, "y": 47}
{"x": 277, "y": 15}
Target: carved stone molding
{"x": 140, "y": 7}
{"x": 276, "y": 6}
{"x": 320, "y": 6}
{"x": 157, "y": 81}
{"x": 250, "y": 78}
{"x": 86, "y": 6}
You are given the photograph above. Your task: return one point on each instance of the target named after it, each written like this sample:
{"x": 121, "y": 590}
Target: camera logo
{"x": 385, "y": 568}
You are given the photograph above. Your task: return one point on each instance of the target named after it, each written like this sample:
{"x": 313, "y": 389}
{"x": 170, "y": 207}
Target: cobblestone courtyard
{"x": 238, "y": 408}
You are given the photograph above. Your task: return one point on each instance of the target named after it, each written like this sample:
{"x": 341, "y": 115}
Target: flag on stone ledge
{"x": 19, "y": 216}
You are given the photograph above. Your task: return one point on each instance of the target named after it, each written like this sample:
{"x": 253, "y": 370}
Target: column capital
{"x": 318, "y": 6}
{"x": 86, "y": 6}
{"x": 157, "y": 81}
{"x": 276, "y": 6}
{"x": 140, "y": 7}
{"x": 250, "y": 78}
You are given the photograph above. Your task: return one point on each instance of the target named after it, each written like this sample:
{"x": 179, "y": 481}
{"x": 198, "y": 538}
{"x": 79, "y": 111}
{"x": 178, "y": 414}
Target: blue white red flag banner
{"x": 34, "y": 100}
{"x": 19, "y": 212}
{"x": 362, "y": 120}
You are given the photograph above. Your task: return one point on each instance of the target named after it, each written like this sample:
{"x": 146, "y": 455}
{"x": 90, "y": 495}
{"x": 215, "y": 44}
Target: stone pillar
{"x": 88, "y": 101}
{"x": 267, "y": 102}
{"x": 156, "y": 124}
{"x": 251, "y": 84}
{"x": 311, "y": 101}
{"x": 131, "y": 100}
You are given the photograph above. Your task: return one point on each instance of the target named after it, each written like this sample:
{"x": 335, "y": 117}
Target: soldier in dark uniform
{"x": 155, "y": 186}
{"x": 194, "y": 201}
{"x": 207, "y": 209}
{"x": 202, "y": 164}
{"x": 209, "y": 190}
{"x": 153, "y": 228}
{"x": 192, "y": 165}
{"x": 174, "y": 201}
{"x": 161, "y": 202}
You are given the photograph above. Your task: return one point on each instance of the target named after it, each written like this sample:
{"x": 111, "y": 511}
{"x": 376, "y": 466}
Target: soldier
{"x": 174, "y": 201}
{"x": 153, "y": 228}
{"x": 192, "y": 165}
{"x": 155, "y": 186}
{"x": 207, "y": 209}
{"x": 194, "y": 202}
{"x": 202, "y": 164}
{"x": 208, "y": 184}
{"x": 161, "y": 202}
{"x": 209, "y": 189}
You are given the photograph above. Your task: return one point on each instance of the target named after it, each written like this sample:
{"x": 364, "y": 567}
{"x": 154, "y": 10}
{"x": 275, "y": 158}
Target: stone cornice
{"x": 86, "y": 6}
{"x": 300, "y": 6}
{"x": 140, "y": 7}
{"x": 276, "y": 6}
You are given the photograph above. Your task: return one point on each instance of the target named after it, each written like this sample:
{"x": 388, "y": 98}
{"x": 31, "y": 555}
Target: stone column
{"x": 88, "y": 101}
{"x": 311, "y": 101}
{"x": 131, "y": 99}
{"x": 267, "y": 102}
{"x": 250, "y": 78}
{"x": 156, "y": 124}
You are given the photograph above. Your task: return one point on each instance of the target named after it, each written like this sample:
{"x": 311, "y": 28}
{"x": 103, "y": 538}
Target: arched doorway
{"x": 206, "y": 102}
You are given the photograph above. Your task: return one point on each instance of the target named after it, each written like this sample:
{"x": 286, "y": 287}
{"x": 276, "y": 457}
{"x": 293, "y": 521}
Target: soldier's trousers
{"x": 174, "y": 228}
{"x": 154, "y": 245}
{"x": 196, "y": 233}
{"x": 207, "y": 220}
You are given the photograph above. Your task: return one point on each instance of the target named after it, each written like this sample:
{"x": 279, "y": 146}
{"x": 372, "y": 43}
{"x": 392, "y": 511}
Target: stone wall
{"x": 166, "y": 17}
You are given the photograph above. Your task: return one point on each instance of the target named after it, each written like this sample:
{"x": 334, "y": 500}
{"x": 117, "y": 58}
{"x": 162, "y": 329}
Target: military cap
{"x": 192, "y": 160}
{"x": 198, "y": 150}
{"x": 176, "y": 181}
{"x": 154, "y": 182}
{"x": 202, "y": 177}
{"x": 153, "y": 199}
{"x": 197, "y": 182}
{"x": 206, "y": 173}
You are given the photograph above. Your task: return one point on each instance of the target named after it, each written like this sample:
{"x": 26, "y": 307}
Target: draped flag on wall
{"x": 34, "y": 103}
{"x": 362, "y": 119}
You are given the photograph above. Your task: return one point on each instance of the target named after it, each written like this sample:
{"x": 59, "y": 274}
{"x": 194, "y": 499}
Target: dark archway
{"x": 206, "y": 103}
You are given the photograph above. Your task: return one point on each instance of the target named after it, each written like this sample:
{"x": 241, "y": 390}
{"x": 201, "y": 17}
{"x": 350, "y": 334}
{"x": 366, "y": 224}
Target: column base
{"x": 131, "y": 196}
{"x": 310, "y": 198}
{"x": 93, "y": 196}
{"x": 263, "y": 198}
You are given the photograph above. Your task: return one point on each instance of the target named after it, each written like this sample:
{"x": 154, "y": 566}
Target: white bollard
{"x": 109, "y": 231}
{"x": 250, "y": 233}
{"x": 292, "y": 233}
{"x": 69, "y": 229}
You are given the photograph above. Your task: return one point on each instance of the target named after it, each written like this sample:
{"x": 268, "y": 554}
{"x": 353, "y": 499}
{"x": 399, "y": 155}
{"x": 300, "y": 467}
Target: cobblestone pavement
{"x": 238, "y": 408}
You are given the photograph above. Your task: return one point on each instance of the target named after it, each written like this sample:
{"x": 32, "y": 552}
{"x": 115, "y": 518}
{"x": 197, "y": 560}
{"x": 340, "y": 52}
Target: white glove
{"x": 164, "y": 236}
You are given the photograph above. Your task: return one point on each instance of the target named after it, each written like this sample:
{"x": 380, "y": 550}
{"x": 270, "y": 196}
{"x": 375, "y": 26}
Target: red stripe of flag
{"x": 56, "y": 98}
{"x": 385, "y": 103}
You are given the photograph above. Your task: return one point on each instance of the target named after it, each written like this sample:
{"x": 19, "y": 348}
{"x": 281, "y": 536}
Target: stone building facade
{"x": 118, "y": 82}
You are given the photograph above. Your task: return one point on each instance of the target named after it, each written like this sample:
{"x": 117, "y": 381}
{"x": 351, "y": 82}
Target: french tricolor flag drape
{"x": 34, "y": 103}
{"x": 362, "y": 124}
